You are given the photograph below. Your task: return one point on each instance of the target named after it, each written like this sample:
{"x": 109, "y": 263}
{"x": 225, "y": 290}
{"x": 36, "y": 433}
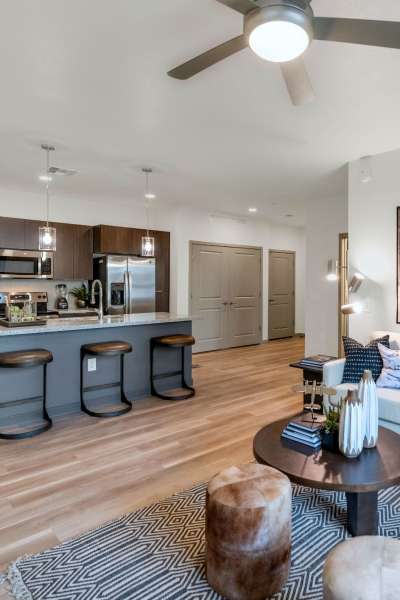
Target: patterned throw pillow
{"x": 359, "y": 358}
{"x": 390, "y": 376}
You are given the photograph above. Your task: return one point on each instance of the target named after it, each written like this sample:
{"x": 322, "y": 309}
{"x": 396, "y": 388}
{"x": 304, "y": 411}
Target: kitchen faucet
{"x": 93, "y": 300}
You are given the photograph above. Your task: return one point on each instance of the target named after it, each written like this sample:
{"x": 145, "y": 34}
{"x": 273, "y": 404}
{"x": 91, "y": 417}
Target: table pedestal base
{"x": 362, "y": 513}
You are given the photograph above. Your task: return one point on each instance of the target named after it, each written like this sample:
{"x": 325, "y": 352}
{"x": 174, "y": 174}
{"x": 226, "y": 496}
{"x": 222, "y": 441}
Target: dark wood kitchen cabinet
{"x": 108, "y": 239}
{"x": 73, "y": 257}
{"x": 162, "y": 256}
{"x": 126, "y": 240}
{"x": 12, "y": 233}
{"x": 64, "y": 259}
{"x": 83, "y": 252}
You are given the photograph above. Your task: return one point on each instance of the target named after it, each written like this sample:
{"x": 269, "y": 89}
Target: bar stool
{"x": 106, "y": 349}
{"x": 171, "y": 341}
{"x": 26, "y": 359}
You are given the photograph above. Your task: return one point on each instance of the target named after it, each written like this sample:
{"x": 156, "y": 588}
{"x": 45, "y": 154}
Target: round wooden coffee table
{"x": 360, "y": 478}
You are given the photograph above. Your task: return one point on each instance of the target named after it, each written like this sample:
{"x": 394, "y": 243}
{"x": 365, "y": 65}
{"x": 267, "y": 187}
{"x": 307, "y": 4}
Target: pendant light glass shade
{"x": 148, "y": 246}
{"x": 148, "y": 242}
{"x": 47, "y": 239}
{"x": 47, "y": 234}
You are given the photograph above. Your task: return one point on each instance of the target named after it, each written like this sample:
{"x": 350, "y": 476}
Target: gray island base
{"x": 64, "y": 338}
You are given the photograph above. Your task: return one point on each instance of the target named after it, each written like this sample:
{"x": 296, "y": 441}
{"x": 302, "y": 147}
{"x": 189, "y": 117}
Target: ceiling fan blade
{"x": 297, "y": 82}
{"x": 209, "y": 58}
{"x": 358, "y": 31}
{"x": 242, "y": 6}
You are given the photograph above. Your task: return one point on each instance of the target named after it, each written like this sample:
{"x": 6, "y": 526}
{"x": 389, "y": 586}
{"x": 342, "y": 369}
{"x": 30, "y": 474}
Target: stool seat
{"x": 107, "y": 348}
{"x": 248, "y": 532}
{"x": 175, "y": 341}
{"x": 25, "y": 358}
{"x": 365, "y": 567}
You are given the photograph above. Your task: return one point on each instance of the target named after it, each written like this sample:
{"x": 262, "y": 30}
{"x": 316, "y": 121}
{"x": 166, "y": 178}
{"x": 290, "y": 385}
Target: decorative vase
{"x": 369, "y": 398}
{"x": 81, "y": 304}
{"x": 330, "y": 441}
{"x": 351, "y": 430}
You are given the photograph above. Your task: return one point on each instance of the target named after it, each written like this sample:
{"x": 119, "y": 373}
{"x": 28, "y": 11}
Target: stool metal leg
{"x": 120, "y": 384}
{"x": 184, "y": 384}
{"x": 48, "y": 422}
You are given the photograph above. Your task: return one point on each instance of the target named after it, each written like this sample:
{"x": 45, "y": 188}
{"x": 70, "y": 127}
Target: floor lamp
{"x": 343, "y": 319}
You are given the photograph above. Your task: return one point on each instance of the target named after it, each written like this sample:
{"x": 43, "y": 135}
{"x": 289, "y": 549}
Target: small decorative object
{"x": 368, "y": 396}
{"x": 81, "y": 296}
{"x": 351, "y": 429}
{"x": 314, "y": 389}
{"x": 330, "y": 430}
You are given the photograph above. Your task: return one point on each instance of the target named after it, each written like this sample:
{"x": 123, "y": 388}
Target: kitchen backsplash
{"x": 36, "y": 285}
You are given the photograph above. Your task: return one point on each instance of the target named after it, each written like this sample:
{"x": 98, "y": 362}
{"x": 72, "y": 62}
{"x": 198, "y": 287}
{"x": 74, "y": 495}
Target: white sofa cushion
{"x": 389, "y": 404}
{"x": 389, "y": 399}
{"x": 394, "y": 339}
{"x": 390, "y": 375}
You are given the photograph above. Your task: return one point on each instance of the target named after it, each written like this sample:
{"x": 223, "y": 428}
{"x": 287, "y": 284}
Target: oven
{"x": 26, "y": 264}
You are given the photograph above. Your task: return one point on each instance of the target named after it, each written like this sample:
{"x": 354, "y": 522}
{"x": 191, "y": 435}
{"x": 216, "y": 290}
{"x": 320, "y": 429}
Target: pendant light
{"x": 147, "y": 240}
{"x": 47, "y": 234}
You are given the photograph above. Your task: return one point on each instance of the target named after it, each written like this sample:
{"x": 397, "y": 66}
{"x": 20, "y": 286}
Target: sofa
{"x": 389, "y": 399}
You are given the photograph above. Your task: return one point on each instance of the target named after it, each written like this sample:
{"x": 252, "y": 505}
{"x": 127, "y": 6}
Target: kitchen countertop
{"x": 80, "y": 323}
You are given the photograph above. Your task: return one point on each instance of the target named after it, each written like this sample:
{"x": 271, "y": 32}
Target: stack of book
{"x": 315, "y": 362}
{"x": 303, "y": 432}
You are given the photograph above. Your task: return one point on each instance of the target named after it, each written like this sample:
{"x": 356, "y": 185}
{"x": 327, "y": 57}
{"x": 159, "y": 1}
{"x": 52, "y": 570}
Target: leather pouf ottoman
{"x": 248, "y": 532}
{"x": 363, "y": 568}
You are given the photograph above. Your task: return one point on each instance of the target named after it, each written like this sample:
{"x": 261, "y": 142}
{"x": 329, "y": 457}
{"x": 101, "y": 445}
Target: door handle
{"x": 127, "y": 293}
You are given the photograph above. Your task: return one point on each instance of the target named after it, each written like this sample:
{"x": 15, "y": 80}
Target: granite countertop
{"x": 79, "y": 323}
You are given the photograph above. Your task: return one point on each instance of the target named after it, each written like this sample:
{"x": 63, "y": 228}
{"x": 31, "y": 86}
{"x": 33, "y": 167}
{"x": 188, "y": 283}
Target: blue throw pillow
{"x": 359, "y": 358}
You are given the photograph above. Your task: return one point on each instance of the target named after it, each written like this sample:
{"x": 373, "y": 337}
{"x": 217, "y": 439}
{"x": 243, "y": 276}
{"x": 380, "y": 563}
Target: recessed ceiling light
{"x": 45, "y": 178}
{"x": 150, "y": 196}
{"x": 253, "y": 210}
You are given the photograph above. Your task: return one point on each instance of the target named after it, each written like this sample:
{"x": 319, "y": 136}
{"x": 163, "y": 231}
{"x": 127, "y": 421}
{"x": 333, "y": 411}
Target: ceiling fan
{"x": 281, "y": 31}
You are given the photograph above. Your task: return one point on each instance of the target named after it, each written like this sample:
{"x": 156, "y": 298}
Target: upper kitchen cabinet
{"x": 83, "y": 252}
{"x": 64, "y": 257}
{"x": 12, "y": 234}
{"x": 31, "y": 235}
{"x": 73, "y": 257}
{"x": 108, "y": 239}
{"x": 162, "y": 255}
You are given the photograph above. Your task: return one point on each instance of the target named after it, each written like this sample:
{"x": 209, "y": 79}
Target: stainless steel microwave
{"x": 26, "y": 264}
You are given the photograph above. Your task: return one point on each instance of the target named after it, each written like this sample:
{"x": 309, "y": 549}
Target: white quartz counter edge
{"x": 78, "y": 324}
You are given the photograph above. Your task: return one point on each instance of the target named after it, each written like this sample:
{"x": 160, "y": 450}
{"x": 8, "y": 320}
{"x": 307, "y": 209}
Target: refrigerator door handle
{"x": 127, "y": 293}
{"x": 130, "y": 282}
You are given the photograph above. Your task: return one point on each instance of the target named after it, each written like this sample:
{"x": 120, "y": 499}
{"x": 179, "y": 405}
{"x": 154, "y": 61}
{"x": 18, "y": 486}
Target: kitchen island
{"x": 64, "y": 338}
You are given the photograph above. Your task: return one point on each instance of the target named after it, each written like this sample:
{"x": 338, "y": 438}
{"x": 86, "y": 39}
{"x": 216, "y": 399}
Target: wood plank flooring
{"x": 87, "y": 471}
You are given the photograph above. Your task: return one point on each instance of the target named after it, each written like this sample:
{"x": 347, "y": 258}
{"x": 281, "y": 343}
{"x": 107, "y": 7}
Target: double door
{"x": 225, "y": 296}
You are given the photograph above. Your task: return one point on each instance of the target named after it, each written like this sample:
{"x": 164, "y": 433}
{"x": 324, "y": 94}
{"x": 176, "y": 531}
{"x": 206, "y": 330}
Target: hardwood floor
{"x": 87, "y": 471}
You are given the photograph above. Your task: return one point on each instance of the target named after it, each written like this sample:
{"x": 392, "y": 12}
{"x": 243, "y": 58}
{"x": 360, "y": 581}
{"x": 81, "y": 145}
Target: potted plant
{"x": 81, "y": 296}
{"x": 330, "y": 429}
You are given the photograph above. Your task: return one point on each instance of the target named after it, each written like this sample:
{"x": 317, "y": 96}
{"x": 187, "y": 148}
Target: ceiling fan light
{"x": 279, "y": 41}
{"x": 281, "y": 30}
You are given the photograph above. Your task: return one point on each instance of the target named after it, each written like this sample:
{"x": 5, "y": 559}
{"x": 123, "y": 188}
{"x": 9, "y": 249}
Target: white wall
{"x": 372, "y": 243}
{"x": 326, "y": 219}
{"x": 184, "y": 225}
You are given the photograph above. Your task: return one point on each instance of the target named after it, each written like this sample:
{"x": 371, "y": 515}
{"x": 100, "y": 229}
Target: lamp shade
{"x": 47, "y": 239}
{"x": 148, "y": 246}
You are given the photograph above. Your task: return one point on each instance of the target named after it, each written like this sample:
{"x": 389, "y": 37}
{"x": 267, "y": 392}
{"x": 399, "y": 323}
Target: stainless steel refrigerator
{"x": 129, "y": 283}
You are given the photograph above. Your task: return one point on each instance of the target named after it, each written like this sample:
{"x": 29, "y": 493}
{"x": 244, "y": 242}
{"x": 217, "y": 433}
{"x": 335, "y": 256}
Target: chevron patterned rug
{"x": 157, "y": 553}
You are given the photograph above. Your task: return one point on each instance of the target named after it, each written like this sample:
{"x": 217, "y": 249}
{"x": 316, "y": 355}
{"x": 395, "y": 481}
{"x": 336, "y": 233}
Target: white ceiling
{"x": 91, "y": 77}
